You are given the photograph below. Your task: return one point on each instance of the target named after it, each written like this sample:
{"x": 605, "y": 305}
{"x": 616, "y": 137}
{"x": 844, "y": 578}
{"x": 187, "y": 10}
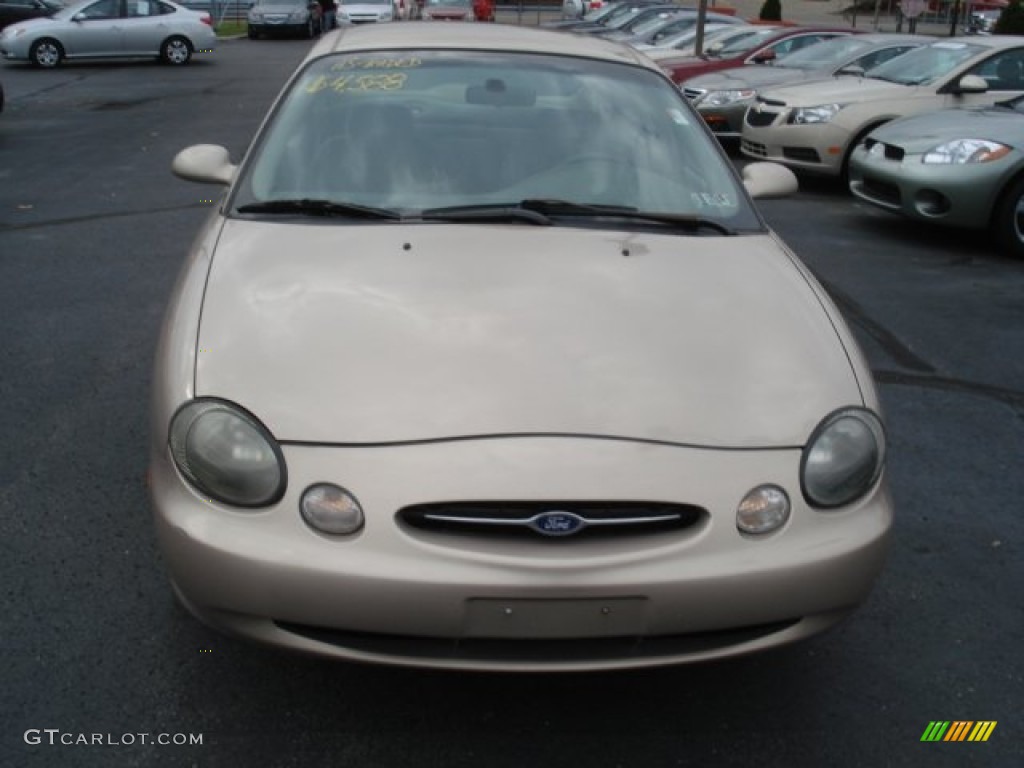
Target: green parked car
{"x": 957, "y": 167}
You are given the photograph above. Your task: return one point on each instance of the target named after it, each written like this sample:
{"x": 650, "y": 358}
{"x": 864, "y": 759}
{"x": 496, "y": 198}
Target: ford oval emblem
{"x": 557, "y": 523}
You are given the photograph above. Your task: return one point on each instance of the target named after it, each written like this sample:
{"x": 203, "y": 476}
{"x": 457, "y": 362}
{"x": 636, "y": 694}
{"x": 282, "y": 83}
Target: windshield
{"x": 923, "y": 65}
{"x": 744, "y": 44}
{"x": 649, "y": 25}
{"x": 712, "y": 34}
{"x": 416, "y": 130}
{"x": 825, "y": 54}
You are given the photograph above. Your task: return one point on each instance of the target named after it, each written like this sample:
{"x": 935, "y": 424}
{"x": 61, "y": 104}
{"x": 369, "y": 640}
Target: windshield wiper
{"x": 685, "y": 221}
{"x": 311, "y": 207}
{"x": 497, "y": 212}
{"x": 540, "y": 210}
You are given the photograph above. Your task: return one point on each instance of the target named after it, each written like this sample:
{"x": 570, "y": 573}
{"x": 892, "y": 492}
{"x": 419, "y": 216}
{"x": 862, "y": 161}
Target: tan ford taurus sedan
{"x": 814, "y": 127}
{"x": 537, "y": 391}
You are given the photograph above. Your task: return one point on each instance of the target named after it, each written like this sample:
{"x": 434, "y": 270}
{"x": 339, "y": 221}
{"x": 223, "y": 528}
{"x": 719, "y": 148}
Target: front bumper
{"x": 956, "y": 196}
{"x": 279, "y": 27}
{"x": 725, "y": 122}
{"x": 818, "y": 148}
{"x": 403, "y": 596}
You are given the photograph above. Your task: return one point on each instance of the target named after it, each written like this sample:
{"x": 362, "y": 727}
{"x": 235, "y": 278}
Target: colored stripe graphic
{"x": 982, "y": 730}
{"x": 958, "y": 730}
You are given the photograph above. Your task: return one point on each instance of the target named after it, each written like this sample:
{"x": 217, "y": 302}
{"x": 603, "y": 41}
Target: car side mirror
{"x": 79, "y": 17}
{"x": 204, "y": 163}
{"x": 971, "y": 84}
{"x": 852, "y": 69}
{"x": 764, "y": 57}
{"x": 765, "y": 180}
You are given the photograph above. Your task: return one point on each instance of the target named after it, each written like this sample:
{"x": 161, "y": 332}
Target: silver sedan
{"x": 111, "y": 29}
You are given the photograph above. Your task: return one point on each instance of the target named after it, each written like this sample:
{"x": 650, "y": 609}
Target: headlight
{"x": 297, "y": 16}
{"x": 763, "y": 510}
{"x": 330, "y": 509}
{"x": 811, "y": 115}
{"x": 843, "y": 459}
{"x": 386, "y": 16}
{"x": 723, "y": 98}
{"x": 964, "y": 151}
{"x": 253, "y": 16}
{"x": 227, "y": 454}
{"x": 426, "y": 16}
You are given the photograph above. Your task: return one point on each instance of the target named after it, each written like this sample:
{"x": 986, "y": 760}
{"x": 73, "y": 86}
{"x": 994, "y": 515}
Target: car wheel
{"x": 46, "y": 53}
{"x": 1008, "y": 222}
{"x": 176, "y": 50}
{"x": 253, "y": 34}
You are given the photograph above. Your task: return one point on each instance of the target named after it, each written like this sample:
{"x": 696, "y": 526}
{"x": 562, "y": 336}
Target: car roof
{"x": 508, "y": 38}
{"x": 987, "y": 41}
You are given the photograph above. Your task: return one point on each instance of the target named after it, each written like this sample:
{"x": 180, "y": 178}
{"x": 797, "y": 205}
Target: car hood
{"x": 691, "y": 66}
{"x": 922, "y": 132}
{"x": 845, "y": 90}
{"x": 385, "y": 333}
{"x": 748, "y": 76}
{"x": 33, "y": 23}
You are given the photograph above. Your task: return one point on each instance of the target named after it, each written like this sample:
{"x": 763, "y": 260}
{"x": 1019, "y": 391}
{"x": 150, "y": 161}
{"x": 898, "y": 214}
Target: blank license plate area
{"x": 548, "y": 619}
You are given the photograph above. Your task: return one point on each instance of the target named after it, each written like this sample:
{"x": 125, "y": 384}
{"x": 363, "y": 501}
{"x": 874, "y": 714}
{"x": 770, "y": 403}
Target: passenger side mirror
{"x": 765, "y": 180}
{"x": 765, "y": 57}
{"x": 971, "y": 84}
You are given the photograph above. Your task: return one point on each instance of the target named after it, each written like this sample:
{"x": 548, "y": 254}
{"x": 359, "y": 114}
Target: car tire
{"x": 46, "y": 53}
{"x": 1008, "y": 221}
{"x": 175, "y": 50}
{"x": 253, "y": 34}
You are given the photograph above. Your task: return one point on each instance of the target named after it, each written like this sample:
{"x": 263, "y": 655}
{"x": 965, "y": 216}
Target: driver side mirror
{"x": 764, "y": 57}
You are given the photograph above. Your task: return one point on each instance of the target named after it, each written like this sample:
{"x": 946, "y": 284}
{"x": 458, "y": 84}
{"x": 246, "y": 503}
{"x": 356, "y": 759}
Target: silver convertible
{"x": 111, "y": 29}
{"x": 536, "y": 390}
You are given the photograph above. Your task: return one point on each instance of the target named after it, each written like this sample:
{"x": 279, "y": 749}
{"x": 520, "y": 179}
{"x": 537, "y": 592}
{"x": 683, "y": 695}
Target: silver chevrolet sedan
{"x": 95, "y": 29}
{"x": 538, "y": 390}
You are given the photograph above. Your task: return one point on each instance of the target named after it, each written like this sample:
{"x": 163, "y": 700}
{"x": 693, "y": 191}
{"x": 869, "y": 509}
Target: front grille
{"x": 551, "y": 519}
{"x": 801, "y": 154}
{"x": 538, "y": 651}
{"x": 754, "y": 148}
{"x": 757, "y": 119}
{"x": 882, "y": 191}
{"x": 693, "y": 93}
{"x": 893, "y": 153}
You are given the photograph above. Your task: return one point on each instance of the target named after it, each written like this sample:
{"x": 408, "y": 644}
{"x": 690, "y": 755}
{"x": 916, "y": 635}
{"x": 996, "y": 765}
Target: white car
{"x": 365, "y": 11}
{"x": 539, "y": 390}
{"x": 96, "y": 29}
{"x": 815, "y": 126}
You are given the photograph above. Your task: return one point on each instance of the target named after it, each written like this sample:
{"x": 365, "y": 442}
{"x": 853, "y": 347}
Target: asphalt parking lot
{"x": 92, "y": 231}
